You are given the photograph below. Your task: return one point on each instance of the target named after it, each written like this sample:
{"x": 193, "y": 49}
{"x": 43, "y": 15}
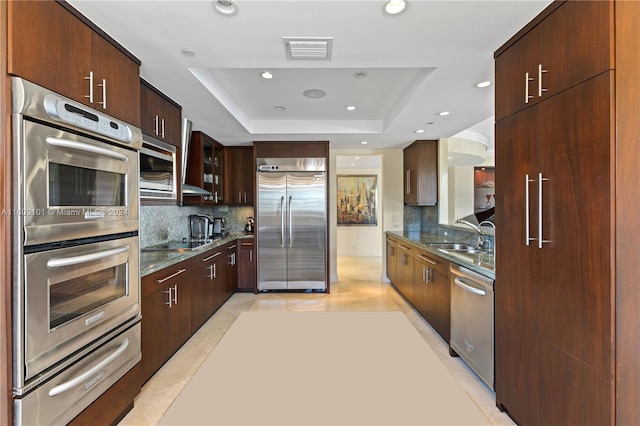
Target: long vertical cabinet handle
{"x": 540, "y": 240}
{"x": 156, "y": 124}
{"x": 282, "y": 221}
{"x": 161, "y": 127}
{"x": 408, "y": 182}
{"x": 527, "y": 237}
{"x": 104, "y": 93}
{"x": 90, "y": 95}
{"x": 527, "y": 79}
{"x": 290, "y": 222}
{"x": 540, "y": 88}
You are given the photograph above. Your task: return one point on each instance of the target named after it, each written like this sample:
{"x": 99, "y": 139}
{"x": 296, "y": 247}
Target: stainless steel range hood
{"x": 188, "y": 190}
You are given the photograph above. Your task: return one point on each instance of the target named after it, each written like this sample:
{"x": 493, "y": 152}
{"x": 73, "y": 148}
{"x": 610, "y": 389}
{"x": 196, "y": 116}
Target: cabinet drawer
{"x": 207, "y": 257}
{"x": 433, "y": 261}
{"x": 159, "y": 280}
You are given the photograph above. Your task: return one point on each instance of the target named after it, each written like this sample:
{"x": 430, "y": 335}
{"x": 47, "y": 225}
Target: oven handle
{"x": 65, "y": 143}
{"x": 68, "y": 385}
{"x": 58, "y": 262}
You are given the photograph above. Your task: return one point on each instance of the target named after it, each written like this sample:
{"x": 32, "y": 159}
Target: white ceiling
{"x": 423, "y": 61}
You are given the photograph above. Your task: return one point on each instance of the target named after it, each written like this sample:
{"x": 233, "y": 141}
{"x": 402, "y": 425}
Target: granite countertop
{"x": 482, "y": 263}
{"x": 152, "y": 261}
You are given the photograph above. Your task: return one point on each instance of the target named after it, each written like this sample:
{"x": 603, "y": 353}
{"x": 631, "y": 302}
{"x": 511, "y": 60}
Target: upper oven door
{"x": 74, "y": 186}
{"x": 73, "y": 296}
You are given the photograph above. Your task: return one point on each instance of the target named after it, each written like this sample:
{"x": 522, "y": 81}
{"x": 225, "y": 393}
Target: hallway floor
{"x": 360, "y": 289}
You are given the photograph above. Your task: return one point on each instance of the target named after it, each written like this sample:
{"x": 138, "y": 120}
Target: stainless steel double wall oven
{"x": 76, "y": 285}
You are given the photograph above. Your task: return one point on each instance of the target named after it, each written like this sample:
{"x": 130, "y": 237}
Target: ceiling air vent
{"x": 308, "y": 47}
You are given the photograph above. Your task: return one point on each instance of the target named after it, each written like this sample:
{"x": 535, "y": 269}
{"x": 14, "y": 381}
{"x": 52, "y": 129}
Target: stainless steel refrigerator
{"x": 292, "y": 224}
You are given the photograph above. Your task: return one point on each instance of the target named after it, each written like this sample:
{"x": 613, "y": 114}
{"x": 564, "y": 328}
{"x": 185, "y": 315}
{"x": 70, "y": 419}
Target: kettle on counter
{"x": 249, "y": 227}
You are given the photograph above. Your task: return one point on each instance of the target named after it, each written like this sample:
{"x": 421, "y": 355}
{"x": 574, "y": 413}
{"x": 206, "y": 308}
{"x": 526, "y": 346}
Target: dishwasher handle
{"x": 458, "y": 281}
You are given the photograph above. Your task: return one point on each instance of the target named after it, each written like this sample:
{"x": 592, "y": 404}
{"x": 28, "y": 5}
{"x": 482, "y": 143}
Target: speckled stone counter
{"x": 482, "y": 263}
{"x": 152, "y": 261}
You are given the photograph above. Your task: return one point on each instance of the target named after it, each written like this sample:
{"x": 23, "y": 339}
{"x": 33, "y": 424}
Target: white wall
{"x": 391, "y": 201}
{"x": 361, "y": 240}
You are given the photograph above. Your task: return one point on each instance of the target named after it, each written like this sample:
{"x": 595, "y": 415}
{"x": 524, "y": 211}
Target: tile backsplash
{"x": 168, "y": 223}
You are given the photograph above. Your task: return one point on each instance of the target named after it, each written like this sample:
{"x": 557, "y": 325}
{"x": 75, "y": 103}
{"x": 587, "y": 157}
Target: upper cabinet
{"x": 553, "y": 55}
{"x": 421, "y": 173}
{"x": 205, "y": 169}
{"x": 240, "y": 176}
{"x": 160, "y": 117}
{"x": 68, "y": 57}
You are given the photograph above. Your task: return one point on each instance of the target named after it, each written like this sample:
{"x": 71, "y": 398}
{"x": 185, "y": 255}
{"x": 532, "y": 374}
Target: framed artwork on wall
{"x": 357, "y": 200}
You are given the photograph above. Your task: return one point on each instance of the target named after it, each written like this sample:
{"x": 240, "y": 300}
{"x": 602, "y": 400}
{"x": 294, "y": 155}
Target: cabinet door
{"x": 516, "y": 293}
{"x": 148, "y": 111}
{"x": 204, "y": 169}
{"x": 392, "y": 262}
{"x": 239, "y": 178}
{"x": 576, "y": 270}
{"x": 420, "y": 287}
{"x": 207, "y": 270}
{"x": 159, "y": 117}
{"x": 439, "y": 302}
{"x": 405, "y": 271}
{"x": 50, "y": 47}
{"x": 231, "y": 273}
{"x": 116, "y": 82}
{"x": 155, "y": 325}
{"x": 247, "y": 267}
{"x": 410, "y": 156}
{"x": 421, "y": 173}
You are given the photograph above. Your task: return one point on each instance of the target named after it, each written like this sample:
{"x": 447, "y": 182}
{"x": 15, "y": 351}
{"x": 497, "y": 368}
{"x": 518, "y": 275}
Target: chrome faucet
{"x": 483, "y": 242}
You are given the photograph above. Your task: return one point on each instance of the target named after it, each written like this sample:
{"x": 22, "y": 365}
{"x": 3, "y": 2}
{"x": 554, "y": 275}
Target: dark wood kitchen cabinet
{"x": 392, "y": 258}
{"x": 421, "y": 173}
{"x": 567, "y": 47}
{"x": 567, "y": 324}
{"x": 231, "y": 271}
{"x": 432, "y": 290}
{"x": 208, "y": 275}
{"x": 240, "y": 175}
{"x": 166, "y": 315}
{"x": 247, "y": 267}
{"x": 404, "y": 270}
{"x": 205, "y": 170}
{"x": 160, "y": 117}
{"x": 71, "y": 58}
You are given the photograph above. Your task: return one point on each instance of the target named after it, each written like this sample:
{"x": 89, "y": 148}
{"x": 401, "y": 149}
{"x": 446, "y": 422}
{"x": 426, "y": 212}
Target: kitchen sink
{"x": 453, "y": 246}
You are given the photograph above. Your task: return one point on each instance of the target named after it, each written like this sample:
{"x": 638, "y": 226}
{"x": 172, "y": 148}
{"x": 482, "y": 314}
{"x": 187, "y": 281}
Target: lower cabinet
{"x": 432, "y": 291}
{"x": 404, "y": 270}
{"x": 208, "y": 274}
{"x": 231, "y": 271}
{"x": 166, "y": 315}
{"x": 246, "y": 266}
{"x": 392, "y": 258}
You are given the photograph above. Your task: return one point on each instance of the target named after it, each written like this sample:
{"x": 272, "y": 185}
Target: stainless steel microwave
{"x": 158, "y": 171}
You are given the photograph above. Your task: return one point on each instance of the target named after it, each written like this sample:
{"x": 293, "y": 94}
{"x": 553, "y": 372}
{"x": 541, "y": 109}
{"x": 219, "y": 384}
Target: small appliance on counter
{"x": 249, "y": 227}
{"x": 201, "y": 227}
{"x": 218, "y": 227}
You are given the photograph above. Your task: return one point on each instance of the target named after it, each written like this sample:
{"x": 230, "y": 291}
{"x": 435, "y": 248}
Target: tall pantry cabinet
{"x": 567, "y": 318}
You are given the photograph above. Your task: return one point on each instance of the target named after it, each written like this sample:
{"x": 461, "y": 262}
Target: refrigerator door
{"x": 306, "y": 230}
{"x": 271, "y": 240}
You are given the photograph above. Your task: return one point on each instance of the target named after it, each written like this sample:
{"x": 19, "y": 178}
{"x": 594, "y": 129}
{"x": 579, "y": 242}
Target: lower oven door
{"x": 60, "y": 399}
{"x": 73, "y": 296}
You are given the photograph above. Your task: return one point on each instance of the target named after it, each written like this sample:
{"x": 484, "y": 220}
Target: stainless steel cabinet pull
{"x": 66, "y": 143}
{"x": 170, "y": 300}
{"x": 232, "y": 246}
{"x": 250, "y": 255}
{"x": 527, "y": 79}
{"x": 427, "y": 259}
{"x": 245, "y": 197}
{"x": 156, "y": 124}
{"x": 239, "y": 197}
{"x": 424, "y": 274}
{"x": 175, "y": 274}
{"x": 290, "y": 223}
{"x": 540, "y": 88}
{"x": 408, "y": 182}
{"x": 469, "y": 288}
{"x": 540, "y": 239}
{"x": 175, "y": 294}
{"x": 527, "y": 237}
{"x": 212, "y": 256}
{"x": 58, "y": 262}
{"x": 90, "y": 95}
{"x": 282, "y": 221}
{"x": 162, "y": 129}
{"x": 104, "y": 93}
{"x": 403, "y": 247}
{"x": 68, "y": 385}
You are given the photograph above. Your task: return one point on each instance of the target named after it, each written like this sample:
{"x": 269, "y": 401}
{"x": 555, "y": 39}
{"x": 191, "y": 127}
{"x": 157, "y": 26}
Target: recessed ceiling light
{"x": 393, "y": 7}
{"x": 314, "y": 93}
{"x": 443, "y": 113}
{"x": 350, "y": 108}
{"x": 364, "y": 142}
{"x": 360, "y": 75}
{"x": 266, "y": 75}
{"x": 352, "y": 164}
{"x": 356, "y": 158}
{"x": 187, "y": 51}
{"x": 484, "y": 84}
{"x": 225, "y": 7}
{"x": 279, "y": 108}
{"x": 420, "y": 131}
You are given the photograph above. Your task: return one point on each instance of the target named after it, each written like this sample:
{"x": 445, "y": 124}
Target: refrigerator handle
{"x": 282, "y": 221}
{"x": 290, "y": 223}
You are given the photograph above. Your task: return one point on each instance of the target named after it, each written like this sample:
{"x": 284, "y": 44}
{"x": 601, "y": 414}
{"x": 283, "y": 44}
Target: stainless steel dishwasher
{"x": 472, "y": 321}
